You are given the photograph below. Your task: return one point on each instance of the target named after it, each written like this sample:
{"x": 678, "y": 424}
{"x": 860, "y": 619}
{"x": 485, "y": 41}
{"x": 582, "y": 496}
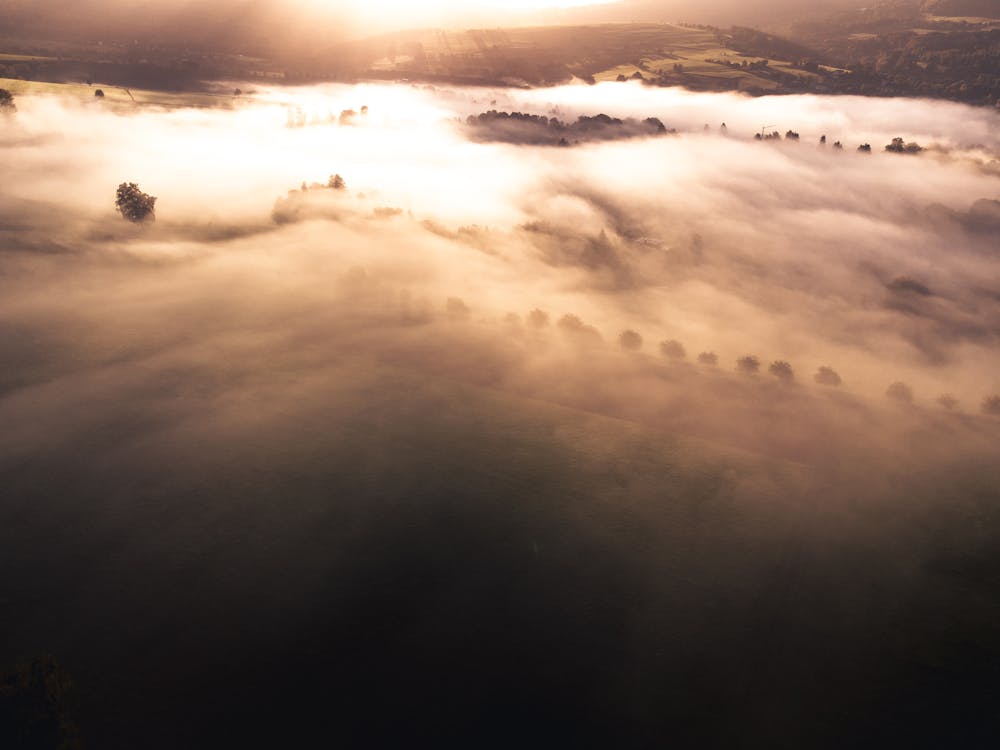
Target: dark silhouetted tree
{"x": 901, "y": 392}
{"x": 749, "y": 365}
{"x": 991, "y": 405}
{"x": 865, "y": 148}
{"x": 7, "y": 105}
{"x": 133, "y": 204}
{"x": 673, "y": 349}
{"x": 336, "y": 182}
{"x": 827, "y": 376}
{"x": 838, "y": 146}
{"x": 630, "y": 341}
{"x": 898, "y": 146}
{"x": 710, "y": 359}
{"x": 782, "y": 370}
{"x": 99, "y": 94}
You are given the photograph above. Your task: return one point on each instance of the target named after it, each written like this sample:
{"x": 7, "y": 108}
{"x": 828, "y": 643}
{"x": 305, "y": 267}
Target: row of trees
{"x": 897, "y": 146}
{"x": 749, "y": 364}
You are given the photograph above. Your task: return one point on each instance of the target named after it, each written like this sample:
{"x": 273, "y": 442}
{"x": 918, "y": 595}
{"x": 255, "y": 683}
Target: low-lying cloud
{"x": 311, "y": 399}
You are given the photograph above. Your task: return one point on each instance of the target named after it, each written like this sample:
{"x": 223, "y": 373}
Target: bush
{"x": 7, "y": 102}
{"x": 782, "y": 370}
{"x": 630, "y": 341}
{"x": 827, "y": 376}
{"x": 133, "y": 204}
{"x": 711, "y": 359}
{"x": 901, "y": 392}
{"x": 672, "y": 349}
{"x": 748, "y": 365}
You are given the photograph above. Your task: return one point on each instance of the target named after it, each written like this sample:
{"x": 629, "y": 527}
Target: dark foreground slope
{"x": 372, "y": 557}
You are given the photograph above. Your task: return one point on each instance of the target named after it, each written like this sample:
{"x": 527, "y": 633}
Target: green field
{"x": 546, "y": 55}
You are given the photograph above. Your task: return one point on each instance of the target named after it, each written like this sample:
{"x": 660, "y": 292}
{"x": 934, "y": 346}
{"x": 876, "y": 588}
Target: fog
{"x": 788, "y": 250}
{"x": 281, "y": 405}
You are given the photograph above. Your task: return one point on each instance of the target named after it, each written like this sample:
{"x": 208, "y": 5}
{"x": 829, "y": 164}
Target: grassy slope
{"x": 116, "y": 97}
{"x": 552, "y": 54}
{"x": 410, "y": 556}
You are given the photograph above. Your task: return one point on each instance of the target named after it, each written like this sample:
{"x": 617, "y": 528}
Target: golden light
{"x": 402, "y": 12}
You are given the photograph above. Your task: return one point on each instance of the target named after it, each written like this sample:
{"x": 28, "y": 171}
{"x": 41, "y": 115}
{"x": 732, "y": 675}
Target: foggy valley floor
{"x": 375, "y": 464}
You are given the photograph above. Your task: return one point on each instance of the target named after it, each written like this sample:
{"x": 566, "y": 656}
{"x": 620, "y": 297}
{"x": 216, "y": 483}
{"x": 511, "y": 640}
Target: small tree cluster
{"x": 901, "y": 392}
{"x": 630, "y": 341}
{"x": 709, "y": 359}
{"x": 782, "y": 370}
{"x": 748, "y": 365}
{"x": 133, "y": 204}
{"x": 898, "y": 146}
{"x": 672, "y": 349}
{"x": 538, "y": 318}
{"x": 827, "y": 376}
{"x": 947, "y": 401}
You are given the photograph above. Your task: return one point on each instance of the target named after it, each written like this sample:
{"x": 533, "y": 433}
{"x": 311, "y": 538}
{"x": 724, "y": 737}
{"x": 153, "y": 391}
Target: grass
{"x": 116, "y": 96}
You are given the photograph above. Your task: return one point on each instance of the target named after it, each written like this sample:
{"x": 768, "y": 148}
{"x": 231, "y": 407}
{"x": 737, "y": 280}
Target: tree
{"x": 133, "y": 204}
{"x": 672, "y": 349}
{"x": 947, "y": 401}
{"x": 630, "y": 341}
{"x": 864, "y": 148}
{"x": 901, "y": 392}
{"x": 37, "y": 705}
{"x": 991, "y": 405}
{"x": 456, "y": 307}
{"x": 336, "y": 182}
{"x": 7, "y": 105}
{"x": 99, "y": 94}
{"x": 827, "y": 376}
{"x": 899, "y": 147}
{"x": 782, "y": 370}
{"x": 538, "y": 318}
{"x": 710, "y": 359}
{"x": 748, "y": 365}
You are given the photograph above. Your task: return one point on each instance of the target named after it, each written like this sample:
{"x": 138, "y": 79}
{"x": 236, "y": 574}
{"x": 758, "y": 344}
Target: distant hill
{"x": 966, "y": 8}
{"x": 721, "y": 12}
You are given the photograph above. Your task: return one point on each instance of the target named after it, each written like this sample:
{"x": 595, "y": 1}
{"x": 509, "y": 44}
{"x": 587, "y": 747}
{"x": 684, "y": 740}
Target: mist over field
{"x": 389, "y": 462}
